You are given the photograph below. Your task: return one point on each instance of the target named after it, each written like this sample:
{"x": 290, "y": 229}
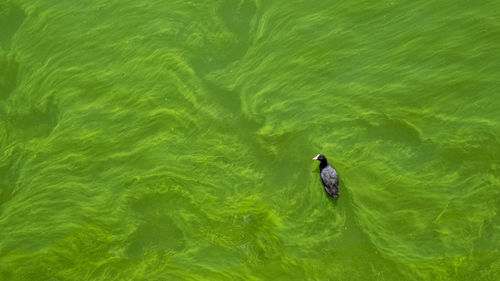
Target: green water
{"x": 172, "y": 140}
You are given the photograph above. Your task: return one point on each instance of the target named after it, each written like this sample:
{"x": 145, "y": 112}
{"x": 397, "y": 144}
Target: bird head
{"x": 320, "y": 157}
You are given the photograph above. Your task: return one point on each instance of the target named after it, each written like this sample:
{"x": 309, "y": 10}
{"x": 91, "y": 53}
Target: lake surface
{"x": 172, "y": 140}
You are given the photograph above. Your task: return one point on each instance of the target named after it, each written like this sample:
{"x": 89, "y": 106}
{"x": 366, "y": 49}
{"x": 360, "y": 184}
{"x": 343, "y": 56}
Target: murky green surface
{"x": 172, "y": 140}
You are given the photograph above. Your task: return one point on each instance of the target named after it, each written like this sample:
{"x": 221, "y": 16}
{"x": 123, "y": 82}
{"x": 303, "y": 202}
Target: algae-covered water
{"x": 172, "y": 140}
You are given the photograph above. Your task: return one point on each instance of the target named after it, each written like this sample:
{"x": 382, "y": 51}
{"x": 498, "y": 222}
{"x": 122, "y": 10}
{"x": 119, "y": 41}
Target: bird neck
{"x": 323, "y": 164}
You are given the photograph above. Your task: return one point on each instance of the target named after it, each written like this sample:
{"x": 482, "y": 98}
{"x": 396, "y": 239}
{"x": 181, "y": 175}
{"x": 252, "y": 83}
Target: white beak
{"x": 316, "y": 158}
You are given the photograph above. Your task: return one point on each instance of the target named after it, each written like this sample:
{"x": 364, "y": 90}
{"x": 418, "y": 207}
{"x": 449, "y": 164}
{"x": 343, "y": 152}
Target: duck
{"x": 329, "y": 176}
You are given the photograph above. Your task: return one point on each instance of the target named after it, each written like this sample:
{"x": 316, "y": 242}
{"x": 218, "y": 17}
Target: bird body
{"x": 329, "y": 176}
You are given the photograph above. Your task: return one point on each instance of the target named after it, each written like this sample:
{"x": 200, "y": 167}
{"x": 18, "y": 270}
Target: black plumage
{"x": 329, "y": 176}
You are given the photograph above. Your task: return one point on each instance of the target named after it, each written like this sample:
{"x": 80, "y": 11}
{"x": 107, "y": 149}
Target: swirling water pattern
{"x": 172, "y": 140}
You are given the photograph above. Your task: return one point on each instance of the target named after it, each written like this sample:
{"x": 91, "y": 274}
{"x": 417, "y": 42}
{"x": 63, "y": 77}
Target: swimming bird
{"x": 329, "y": 176}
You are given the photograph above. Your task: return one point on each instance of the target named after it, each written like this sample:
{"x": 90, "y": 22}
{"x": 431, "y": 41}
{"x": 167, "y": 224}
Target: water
{"x": 172, "y": 140}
